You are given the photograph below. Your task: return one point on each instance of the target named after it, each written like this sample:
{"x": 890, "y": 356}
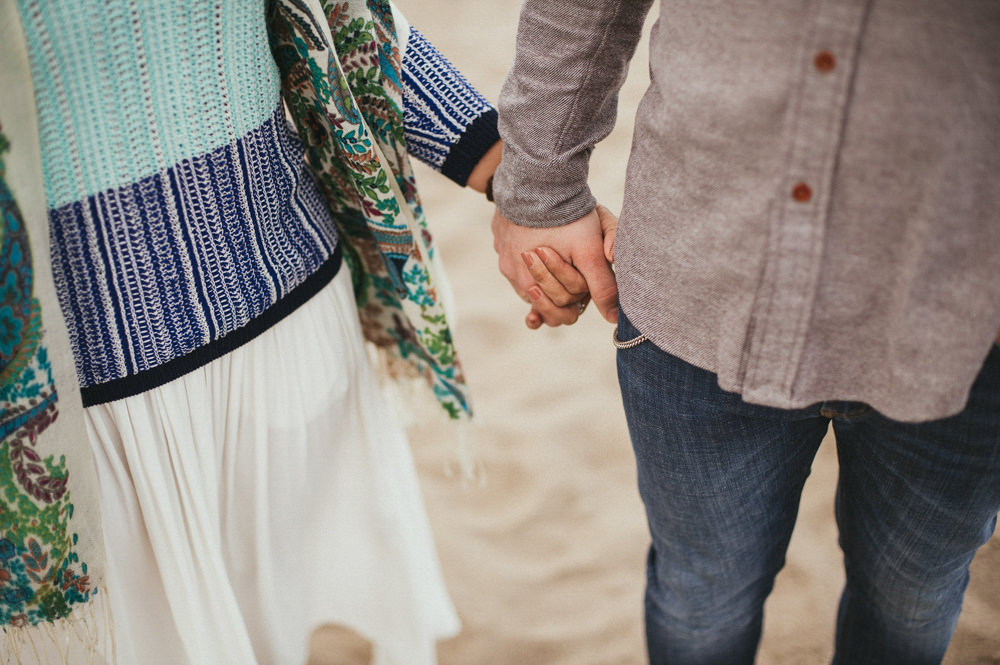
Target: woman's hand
{"x": 559, "y": 283}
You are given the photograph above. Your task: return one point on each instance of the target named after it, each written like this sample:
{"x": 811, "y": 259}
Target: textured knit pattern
{"x": 181, "y": 207}
{"x": 155, "y": 269}
{"x": 127, "y": 89}
{"x": 182, "y": 210}
{"x": 439, "y": 103}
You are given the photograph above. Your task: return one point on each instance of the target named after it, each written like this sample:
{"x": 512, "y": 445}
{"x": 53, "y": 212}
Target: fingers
{"x": 587, "y": 254}
{"x": 578, "y": 246}
{"x": 533, "y": 320}
{"x": 549, "y": 313}
{"x": 559, "y": 280}
{"x": 517, "y": 274}
{"x": 563, "y": 289}
{"x": 562, "y": 270}
{"x": 507, "y": 244}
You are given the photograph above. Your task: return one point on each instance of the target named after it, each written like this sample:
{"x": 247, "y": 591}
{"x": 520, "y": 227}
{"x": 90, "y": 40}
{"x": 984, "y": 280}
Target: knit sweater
{"x": 184, "y": 220}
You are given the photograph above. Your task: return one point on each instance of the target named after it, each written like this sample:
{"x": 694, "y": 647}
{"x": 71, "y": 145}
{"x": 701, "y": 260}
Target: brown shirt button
{"x": 802, "y": 192}
{"x": 825, "y": 61}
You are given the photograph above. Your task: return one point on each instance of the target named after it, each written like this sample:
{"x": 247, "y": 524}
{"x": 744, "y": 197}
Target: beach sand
{"x": 545, "y": 562}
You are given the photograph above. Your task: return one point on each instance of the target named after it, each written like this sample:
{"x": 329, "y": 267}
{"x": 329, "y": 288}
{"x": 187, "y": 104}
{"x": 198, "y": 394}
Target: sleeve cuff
{"x": 474, "y": 142}
{"x": 536, "y": 195}
{"x": 441, "y": 108}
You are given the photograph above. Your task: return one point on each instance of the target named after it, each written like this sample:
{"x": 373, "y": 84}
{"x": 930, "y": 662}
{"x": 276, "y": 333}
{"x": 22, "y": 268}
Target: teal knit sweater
{"x": 184, "y": 221}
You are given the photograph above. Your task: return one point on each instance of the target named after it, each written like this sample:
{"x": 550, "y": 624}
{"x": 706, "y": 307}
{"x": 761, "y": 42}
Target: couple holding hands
{"x": 809, "y": 236}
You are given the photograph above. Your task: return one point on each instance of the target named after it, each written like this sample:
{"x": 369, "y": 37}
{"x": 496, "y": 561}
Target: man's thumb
{"x": 603, "y": 290}
{"x": 609, "y": 228}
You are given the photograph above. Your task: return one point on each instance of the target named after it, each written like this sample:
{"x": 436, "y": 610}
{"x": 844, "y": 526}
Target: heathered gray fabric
{"x": 884, "y": 287}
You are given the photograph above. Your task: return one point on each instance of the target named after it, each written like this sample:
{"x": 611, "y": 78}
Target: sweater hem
{"x": 129, "y": 386}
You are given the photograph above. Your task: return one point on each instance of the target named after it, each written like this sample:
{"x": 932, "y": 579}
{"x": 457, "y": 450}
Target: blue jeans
{"x": 721, "y": 481}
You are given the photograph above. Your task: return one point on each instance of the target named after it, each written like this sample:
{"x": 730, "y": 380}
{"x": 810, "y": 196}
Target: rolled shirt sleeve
{"x": 558, "y": 101}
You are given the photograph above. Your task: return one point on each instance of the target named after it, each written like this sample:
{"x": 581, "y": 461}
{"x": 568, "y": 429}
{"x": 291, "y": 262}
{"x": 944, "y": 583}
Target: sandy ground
{"x": 546, "y": 562}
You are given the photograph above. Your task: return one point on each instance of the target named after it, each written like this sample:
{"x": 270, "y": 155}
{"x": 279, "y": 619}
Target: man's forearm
{"x": 558, "y": 101}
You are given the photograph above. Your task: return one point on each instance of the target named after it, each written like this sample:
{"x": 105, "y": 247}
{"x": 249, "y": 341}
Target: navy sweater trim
{"x": 475, "y": 141}
{"x": 172, "y": 369}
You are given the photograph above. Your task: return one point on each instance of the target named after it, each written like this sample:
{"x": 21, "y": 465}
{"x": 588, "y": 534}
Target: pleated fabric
{"x": 264, "y": 494}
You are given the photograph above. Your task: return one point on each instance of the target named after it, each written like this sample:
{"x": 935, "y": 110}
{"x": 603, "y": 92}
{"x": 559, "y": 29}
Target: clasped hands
{"x": 558, "y": 270}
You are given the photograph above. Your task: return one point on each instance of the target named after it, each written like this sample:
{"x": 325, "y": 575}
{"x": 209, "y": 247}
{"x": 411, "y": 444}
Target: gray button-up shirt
{"x": 812, "y": 205}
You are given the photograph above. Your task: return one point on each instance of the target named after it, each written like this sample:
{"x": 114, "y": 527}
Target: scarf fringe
{"x": 410, "y": 396}
{"x": 86, "y": 637}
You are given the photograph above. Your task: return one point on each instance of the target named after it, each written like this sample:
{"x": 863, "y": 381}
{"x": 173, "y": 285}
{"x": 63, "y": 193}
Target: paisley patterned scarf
{"x": 340, "y": 65}
{"x": 51, "y": 550}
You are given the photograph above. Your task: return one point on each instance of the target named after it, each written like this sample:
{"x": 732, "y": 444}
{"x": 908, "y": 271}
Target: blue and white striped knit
{"x": 183, "y": 217}
{"x": 448, "y": 124}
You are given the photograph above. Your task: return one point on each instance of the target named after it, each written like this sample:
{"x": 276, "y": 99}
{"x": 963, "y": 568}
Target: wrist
{"x": 482, "y": 172}
{"x": 541, "y": 195}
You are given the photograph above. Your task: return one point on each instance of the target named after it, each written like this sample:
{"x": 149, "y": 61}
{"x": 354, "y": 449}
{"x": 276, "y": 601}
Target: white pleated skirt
{"x": 262, "y": 495}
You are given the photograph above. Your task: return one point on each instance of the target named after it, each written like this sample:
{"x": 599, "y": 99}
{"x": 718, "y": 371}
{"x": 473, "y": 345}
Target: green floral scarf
{"x": 52, "y": 595}
{"x": 42, "y": 575}
{"x": 341, "y": 78}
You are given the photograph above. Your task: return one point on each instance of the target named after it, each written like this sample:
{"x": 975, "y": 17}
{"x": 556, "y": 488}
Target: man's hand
{"x": 581, "y": 243}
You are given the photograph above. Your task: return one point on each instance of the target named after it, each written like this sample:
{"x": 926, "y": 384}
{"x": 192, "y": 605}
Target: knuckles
{"x": 562, "y": 300}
